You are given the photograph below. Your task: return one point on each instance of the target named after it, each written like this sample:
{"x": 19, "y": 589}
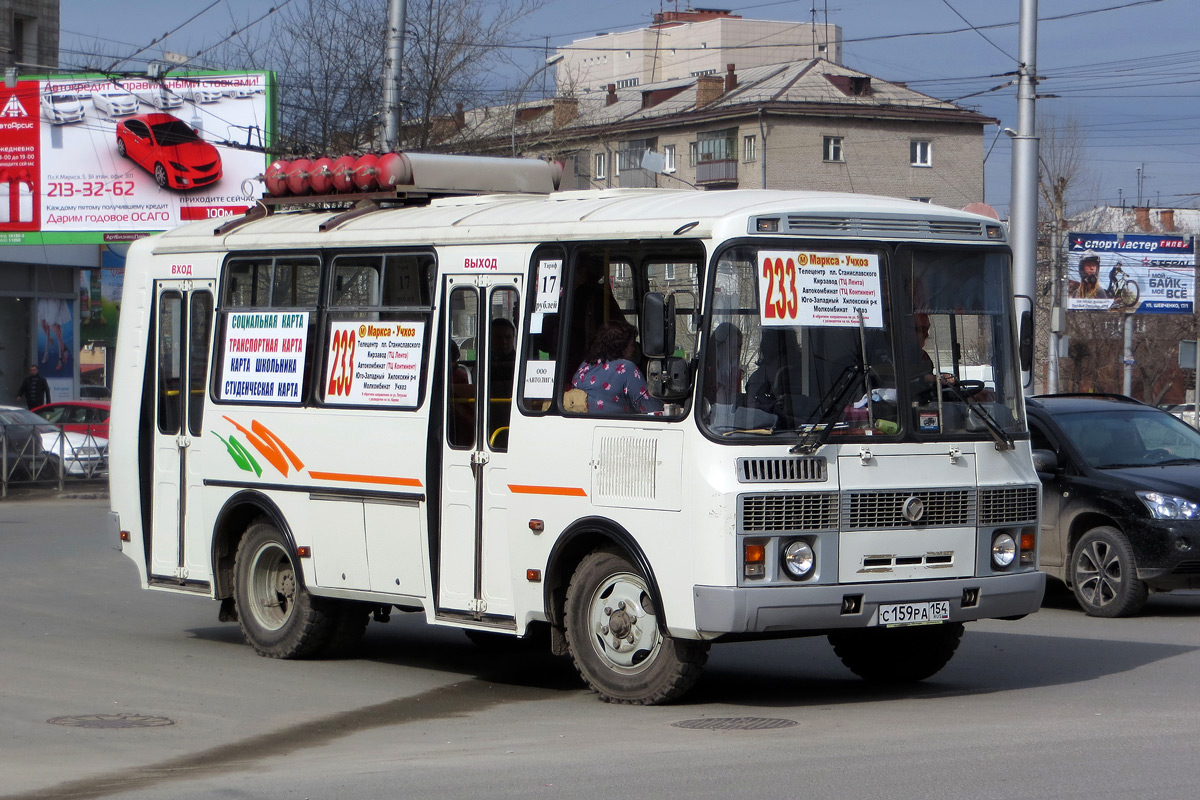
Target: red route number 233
{"x": 782, "y": 301}
{"x": 341, "y": 363}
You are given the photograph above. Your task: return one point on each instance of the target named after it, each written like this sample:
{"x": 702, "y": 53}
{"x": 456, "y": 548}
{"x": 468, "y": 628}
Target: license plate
{"x": 914, "y": 613}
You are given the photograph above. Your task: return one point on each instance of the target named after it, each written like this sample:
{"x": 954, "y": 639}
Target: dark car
{"x": 1120, "y": 499}
{"x": 169, "y": 149}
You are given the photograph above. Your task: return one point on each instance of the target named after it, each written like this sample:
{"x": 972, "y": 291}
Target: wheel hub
{"x": 625, "y": 629}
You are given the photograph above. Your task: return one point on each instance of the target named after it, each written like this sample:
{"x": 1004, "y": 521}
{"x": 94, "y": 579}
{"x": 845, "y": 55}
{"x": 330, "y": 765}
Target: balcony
{"x": 718, "y": 174}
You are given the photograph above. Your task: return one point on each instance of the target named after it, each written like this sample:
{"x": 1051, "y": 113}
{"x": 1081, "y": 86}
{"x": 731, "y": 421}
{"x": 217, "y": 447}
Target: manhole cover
{"x": 111, "y": 721}
{"x": 735, "y": 723}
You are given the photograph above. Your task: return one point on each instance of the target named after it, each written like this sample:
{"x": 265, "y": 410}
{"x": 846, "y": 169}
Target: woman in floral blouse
{"x": 612, "y": 382}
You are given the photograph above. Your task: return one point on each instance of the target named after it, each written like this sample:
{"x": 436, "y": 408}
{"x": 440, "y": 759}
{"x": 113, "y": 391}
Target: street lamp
{"x": 550, "y": 62}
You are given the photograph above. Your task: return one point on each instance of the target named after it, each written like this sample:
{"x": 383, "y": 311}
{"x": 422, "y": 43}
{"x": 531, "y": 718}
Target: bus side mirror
{"x": 667, "y": 378}
{"x": 658, "y": 325}
{"x": 1025, "y": 342}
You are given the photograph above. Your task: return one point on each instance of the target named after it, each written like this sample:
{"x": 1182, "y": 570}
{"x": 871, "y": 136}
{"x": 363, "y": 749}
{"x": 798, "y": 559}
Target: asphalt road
{"x": 1054, "y": 706}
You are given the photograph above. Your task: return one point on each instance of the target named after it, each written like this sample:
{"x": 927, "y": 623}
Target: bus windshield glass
{"x": 845, "y": 341}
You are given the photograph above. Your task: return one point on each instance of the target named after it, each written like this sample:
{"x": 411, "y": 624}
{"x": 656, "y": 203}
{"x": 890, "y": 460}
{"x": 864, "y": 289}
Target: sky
{"x": 1126, "y": 71}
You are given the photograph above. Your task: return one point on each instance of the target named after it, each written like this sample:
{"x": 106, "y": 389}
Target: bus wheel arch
{"x": 580, "y": 538}
{"x": 235, "y": 518}
{"x": 606, "y": 612}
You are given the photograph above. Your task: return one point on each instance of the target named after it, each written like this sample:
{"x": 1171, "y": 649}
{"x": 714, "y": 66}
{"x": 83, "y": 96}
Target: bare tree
{"x": 329, "y": 58}
{"x": 1063, "y": 176}
{"x": 451, "y": 44}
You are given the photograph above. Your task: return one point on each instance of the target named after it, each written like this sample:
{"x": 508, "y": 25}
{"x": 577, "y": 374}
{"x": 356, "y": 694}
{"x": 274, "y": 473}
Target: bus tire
{"x": 278, "y": 617}
{"x": 897, "y": 655}
{"x": 350, "y": 619}
{"x": 615, "y": 640}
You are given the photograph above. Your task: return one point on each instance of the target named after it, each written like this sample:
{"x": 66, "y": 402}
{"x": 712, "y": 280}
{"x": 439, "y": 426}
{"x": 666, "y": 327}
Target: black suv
{"x": 1120, "y": 499}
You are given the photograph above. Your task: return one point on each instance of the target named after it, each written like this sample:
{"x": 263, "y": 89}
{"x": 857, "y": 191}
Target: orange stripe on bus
{"x": 566, "y": 491}
{"x": 347, "y": 477}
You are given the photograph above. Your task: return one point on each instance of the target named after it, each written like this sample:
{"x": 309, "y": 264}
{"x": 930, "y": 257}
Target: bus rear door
{"x": 474, "y": 577}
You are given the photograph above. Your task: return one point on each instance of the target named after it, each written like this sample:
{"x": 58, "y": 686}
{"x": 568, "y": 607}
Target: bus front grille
{"x": 1008, "y": 505}
{"x": 926, "y": 508}
{"x": 812, "y": 511}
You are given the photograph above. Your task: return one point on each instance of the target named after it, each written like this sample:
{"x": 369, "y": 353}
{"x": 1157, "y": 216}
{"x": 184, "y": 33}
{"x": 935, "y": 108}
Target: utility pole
{"x": 393, "y": 64}
{"x": 1023, "y": 207}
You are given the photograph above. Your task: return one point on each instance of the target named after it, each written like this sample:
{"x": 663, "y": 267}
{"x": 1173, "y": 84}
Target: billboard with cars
{"x": 93, "y": 159}
{"x": 1131, "y": 273}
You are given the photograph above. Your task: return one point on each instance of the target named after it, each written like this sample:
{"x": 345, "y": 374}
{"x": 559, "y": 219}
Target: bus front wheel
{"x": 278, "y": 617}
{"x": 897, "y": 655}
{"x": 615, "y": 640}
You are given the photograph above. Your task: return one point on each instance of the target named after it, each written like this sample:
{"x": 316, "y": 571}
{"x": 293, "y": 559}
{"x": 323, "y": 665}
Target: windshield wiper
{"x": 831, "y": 404}
{"x": 1174, "y": 461}
{"x": 1003, "y": 440}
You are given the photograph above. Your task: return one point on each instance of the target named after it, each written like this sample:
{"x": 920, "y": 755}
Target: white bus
{"x": 435, "y": 405}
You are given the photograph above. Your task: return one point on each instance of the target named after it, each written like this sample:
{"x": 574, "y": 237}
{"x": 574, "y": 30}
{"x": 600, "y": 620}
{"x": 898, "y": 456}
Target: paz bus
{"x": 325, "y": 414}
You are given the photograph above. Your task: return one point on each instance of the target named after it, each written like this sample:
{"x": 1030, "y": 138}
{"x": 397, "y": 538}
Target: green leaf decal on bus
{"x": 240, "y": 455}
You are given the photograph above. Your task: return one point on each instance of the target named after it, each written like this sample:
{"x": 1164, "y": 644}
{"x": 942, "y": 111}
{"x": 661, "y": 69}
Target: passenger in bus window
{"x": 612, "y": 382}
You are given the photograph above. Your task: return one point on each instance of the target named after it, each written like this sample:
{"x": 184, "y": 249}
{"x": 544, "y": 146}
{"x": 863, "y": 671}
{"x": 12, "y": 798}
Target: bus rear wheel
{"x": 614, "y": 637}
{"x": 897, "y": 655}
{"x": 278, "y": 617}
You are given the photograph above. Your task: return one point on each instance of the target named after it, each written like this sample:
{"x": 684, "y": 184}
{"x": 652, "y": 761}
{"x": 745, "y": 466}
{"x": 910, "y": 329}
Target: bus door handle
{"x": 183, "y": 442}
{"x": 479, "y": 458}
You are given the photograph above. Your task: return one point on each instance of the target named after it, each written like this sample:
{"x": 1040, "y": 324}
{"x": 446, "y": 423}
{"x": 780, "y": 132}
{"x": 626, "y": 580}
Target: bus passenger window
{"x": 460, "y": 394}
{"x": 502, "y": 362}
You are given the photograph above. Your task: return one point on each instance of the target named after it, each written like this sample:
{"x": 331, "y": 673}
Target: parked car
{"x": 115, "y": 102}
{"x": 62, "y": 107}
{"x": 1184, "y": 411}
{"x": 1120, "y": 499}
{"x": 34, "y": 447}
{"x": 160, "y": 97}
{"x": 77, "y": 416}
{"x": 170, "y": 150}
{"x": 202, "y": 92}
{"x": 94, "y": 392}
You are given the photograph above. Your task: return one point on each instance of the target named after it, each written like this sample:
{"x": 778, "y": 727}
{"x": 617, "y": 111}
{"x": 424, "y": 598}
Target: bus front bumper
{"x": 769, "y": 609}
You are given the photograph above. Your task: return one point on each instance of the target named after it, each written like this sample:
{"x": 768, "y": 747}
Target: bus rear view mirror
{"x": 667, "y": 378}
{"x": 658, "y": 325}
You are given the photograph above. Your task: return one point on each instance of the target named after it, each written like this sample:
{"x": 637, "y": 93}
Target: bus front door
{"x": 182, "y": 333}
{"x": 479, "y": 351}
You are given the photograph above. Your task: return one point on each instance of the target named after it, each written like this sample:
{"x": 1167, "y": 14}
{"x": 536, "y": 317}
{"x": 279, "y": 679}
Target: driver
{"x": 924, "y": 378}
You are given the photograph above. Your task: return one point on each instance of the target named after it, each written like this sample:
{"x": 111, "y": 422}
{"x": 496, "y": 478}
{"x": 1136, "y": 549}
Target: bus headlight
{"x": 798, "y": 559}
{"x": 1004, "y": 549}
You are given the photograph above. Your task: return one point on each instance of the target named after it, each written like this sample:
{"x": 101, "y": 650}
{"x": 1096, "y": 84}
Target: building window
{"x": 692, "y": 150}
{"x": 920, "y": 153}
{"x": 601, "y": 163}
{"x": 626, "y": 83}
{"x": 832, "y": 149}
{"x": 749, "y": 148}
{"x": 922, "y": 199}
{"x": 717, "y": 145}
{"x": 669, "y": 158}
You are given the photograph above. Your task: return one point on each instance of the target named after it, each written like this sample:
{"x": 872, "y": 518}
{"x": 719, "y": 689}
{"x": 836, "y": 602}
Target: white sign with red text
{"x": 374, "y": 363}
{"x": 803, "y": 287}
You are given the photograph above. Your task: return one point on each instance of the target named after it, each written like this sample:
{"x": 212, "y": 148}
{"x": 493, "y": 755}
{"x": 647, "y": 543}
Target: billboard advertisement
{"x": 1131, "y": 273}
{"x": 85, "y": 159}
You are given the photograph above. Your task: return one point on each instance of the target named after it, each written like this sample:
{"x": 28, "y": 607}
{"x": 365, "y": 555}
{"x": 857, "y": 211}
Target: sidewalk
{"x": 72, "y": 490}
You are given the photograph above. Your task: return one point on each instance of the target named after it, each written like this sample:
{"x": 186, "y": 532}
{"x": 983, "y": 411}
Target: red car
{"x": 78, "y": 416}
{"x": 170, "y": 149}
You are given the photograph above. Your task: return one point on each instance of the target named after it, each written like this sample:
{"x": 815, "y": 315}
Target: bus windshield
{"x": 915, "y": 342}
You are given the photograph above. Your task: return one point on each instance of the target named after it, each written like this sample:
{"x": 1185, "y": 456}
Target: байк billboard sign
{"x": 89, "y": 159}
{"x": 1131, "y": 273}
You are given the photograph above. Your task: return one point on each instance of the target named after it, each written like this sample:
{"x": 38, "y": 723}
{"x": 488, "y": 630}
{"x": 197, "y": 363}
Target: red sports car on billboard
{"x": 169, "y": 149}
